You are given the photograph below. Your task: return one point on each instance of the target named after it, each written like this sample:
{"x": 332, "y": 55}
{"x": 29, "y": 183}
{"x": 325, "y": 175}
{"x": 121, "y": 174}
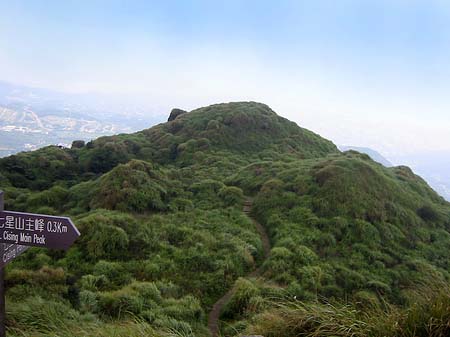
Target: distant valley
{"x": 32, "y": 117}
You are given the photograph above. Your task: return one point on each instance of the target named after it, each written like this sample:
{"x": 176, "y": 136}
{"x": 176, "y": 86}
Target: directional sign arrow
{"x": 9, "y": 252}
{"x": 39, "y": 230}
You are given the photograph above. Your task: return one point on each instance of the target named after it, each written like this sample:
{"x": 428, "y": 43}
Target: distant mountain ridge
{"x": 371, "y": 152}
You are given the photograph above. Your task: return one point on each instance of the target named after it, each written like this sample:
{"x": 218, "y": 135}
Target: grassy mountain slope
{"x": 163, "y": 234}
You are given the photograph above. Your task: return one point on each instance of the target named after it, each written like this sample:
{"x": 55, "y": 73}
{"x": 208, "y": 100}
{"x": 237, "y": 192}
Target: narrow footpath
{"x": 214, "y": 315}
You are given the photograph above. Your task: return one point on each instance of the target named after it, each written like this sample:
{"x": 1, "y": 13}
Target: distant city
{"x": 31, "y": 118}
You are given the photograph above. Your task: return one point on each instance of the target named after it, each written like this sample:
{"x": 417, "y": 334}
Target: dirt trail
{"x": 213, "y": 317}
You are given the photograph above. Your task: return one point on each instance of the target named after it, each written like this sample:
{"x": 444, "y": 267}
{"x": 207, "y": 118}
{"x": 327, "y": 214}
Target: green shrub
{"x": 88, "y": 301}
{"x": 136, "y": 186}
{"x": 94, "y": 282}
{"x": 243, "y": 292}
{"x": 114, "y": 272}
{"x": 231, "y": 195}
{"x": 147, "y": 290}
{"x": 120, "y": 303}
{"x": 107, "y": 242}
{"x": 54, "y": 198}
{"x": 428, "y": 213}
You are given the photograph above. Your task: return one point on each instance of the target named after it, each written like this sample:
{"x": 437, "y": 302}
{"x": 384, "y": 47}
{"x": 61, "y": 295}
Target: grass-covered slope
{"x": 364, "y": 227}
{"x": 343, "y": 228}
{"x": 164, "y": 236}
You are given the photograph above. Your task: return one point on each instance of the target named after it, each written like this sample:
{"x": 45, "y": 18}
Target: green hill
{"x": 246, "y": 129}
{"x": 164, "y": 235}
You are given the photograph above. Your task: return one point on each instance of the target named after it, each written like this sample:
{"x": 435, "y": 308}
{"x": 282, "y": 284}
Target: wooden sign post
{"x": 19, "y": 231}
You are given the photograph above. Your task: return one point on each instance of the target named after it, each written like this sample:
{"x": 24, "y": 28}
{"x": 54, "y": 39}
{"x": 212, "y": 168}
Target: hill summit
{"x": 239, "y": 126}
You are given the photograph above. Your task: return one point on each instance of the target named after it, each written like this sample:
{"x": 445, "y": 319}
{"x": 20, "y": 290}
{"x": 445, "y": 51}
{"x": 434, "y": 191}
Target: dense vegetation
{"x": 163, "y": 235}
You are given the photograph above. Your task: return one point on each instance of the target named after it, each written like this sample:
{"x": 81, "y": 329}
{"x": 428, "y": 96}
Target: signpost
{"x": 19, "y": 231}
{"x": 37, "y": 230}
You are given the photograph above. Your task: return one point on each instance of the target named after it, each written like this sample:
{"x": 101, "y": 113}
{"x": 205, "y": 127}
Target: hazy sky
{"x": 368, "y": 73}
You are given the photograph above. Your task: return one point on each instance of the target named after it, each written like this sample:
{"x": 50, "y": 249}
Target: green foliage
{"x": 244, "y": 292}
{"x": 38, "y": 317}
{"x": 105, "y": 153}
{"x": 245, "y": 127}
{"x": 4, "y": 182}
{"x": 114, "y": 273}
{"x": 231, "y": 196}
{"x": 102, "y": 235}
{"x": 359, "y": 219}
{"x": 78, "y": 144}
{"x": 39, "y": 169}
{"x": 206, "y": 189}
{"x": 54, "y": 197}
{"x": 135, "y": 186}
{"x": 427, "y": 316}
{"x": 428, "y": 213}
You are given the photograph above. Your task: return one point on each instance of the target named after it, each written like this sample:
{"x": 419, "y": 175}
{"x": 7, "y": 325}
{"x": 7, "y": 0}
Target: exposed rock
{"x": 175, "y": 113}
{"x": 78, "y": 144}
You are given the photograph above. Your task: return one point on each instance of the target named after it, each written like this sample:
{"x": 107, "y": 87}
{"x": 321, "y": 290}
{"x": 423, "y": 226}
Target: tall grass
{"x": 427, "y": 315}
{"x": 36, "y": 317}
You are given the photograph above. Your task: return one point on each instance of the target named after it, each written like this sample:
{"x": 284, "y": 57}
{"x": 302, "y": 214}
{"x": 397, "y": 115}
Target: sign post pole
{"x": 2, "y": 283}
